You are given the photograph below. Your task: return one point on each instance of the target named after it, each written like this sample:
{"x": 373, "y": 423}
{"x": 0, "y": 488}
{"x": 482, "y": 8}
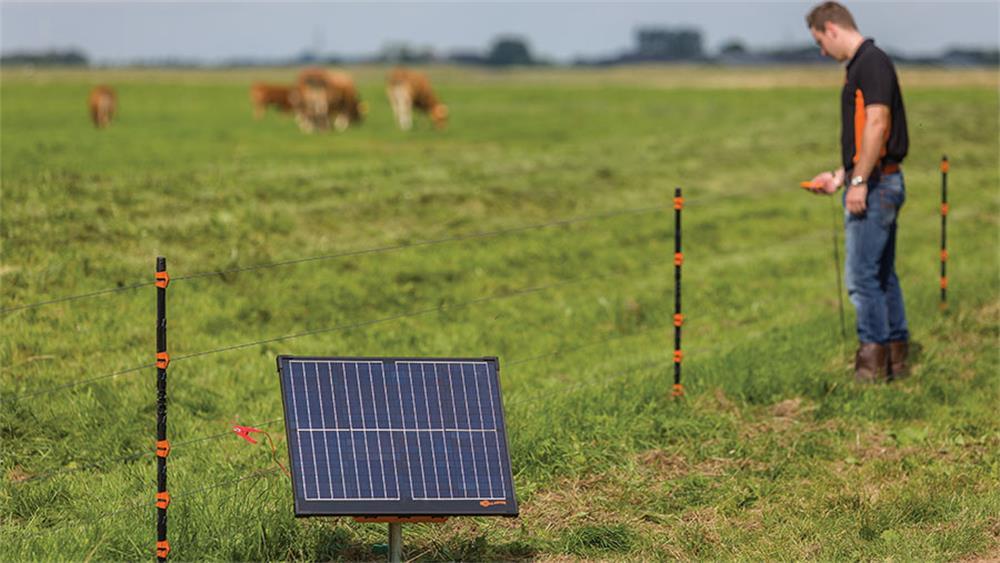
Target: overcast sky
{"x": 214, "y": 31}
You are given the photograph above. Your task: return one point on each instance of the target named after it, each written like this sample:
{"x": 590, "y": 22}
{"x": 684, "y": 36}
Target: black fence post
{"x": 678, "y": 316}
{"x": 162, "y": 444}
{"x": 944, "y": 232}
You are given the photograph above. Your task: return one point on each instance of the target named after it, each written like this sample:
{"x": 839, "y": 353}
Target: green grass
{"x": 774, "y": 454}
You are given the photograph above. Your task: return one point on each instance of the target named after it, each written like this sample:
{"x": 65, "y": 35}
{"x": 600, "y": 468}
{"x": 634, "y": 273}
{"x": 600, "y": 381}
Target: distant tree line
{"x": 70, "y": 57}
{"x": 652, "y": 45}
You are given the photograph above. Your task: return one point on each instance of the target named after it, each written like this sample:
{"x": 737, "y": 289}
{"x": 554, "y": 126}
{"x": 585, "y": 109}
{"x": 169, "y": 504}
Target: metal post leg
{"x": 395, "y": 542}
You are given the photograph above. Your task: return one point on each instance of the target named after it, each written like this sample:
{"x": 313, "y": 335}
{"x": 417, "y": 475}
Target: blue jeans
{"x": 870, "y": 269}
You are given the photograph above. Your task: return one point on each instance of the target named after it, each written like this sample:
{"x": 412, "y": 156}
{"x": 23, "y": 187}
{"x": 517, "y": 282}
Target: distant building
{"x": 663, "y": 44}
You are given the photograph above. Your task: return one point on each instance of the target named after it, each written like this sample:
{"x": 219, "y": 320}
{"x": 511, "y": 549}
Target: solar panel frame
{"x": 406, "y": 502}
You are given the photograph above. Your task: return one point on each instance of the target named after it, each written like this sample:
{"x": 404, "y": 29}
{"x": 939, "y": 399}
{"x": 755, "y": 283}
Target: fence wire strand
{"x": 211, "y": 437}
{"x": 348, "y": 253}
{"x": 337, "y": 328}
{"x": 384, "y": 249}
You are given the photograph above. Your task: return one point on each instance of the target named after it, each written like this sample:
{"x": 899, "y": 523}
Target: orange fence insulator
{"x": 162, "y": 549}
{"x": 162, "y": 448}
{"x": 162, "y": 280}
{"x": 163, "y": 500}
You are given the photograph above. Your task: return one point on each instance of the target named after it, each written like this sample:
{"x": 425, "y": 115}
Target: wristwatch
{"x": 857, "y": 181}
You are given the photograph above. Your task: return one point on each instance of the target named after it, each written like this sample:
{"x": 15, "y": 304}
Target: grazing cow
{"x": 409, "y": 90}
{"x": 324, "y": 94}
{"x": 103, "y": 103}
{"x": 263, "y": 96}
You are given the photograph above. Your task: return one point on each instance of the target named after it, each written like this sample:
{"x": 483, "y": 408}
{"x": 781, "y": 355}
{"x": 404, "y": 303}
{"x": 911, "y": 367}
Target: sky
{"x": 216, "y": 31}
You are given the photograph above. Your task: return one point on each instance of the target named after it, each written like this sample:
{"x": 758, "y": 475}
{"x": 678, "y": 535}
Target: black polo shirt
{"x": 871, "y": 79}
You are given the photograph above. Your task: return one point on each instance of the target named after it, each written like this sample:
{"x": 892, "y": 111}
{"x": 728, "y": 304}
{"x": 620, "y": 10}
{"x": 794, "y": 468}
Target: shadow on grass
{"x": 343, "y": 545}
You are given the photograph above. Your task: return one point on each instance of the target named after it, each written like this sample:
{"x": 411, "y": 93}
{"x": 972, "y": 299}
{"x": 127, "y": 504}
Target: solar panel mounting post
{"x": 395, "y": 542}
{"x": 162, "y": 546}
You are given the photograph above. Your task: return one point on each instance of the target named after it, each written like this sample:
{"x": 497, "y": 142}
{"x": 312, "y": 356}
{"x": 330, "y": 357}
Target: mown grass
{"x": 773, "y": 454}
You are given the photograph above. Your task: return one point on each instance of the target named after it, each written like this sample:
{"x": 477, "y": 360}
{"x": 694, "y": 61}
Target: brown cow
{"x": 324, "y": 94}
{"x": 103, "y": 103}
{"x": 408, "y": 89}
{"x": 263, "y": 96}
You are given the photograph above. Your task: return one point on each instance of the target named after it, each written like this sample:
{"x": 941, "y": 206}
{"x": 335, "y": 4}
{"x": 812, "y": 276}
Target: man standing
{"x": 873, "y": 144}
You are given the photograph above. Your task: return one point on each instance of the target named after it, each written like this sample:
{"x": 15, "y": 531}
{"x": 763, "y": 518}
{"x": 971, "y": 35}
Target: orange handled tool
{"x": 810, "y": 185}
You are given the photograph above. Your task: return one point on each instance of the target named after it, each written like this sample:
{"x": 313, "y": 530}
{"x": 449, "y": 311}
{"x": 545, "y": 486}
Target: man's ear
{"x": 832, "y": 30}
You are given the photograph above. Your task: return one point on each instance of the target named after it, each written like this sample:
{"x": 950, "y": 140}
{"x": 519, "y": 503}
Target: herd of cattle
{"x": 319, "y": 99}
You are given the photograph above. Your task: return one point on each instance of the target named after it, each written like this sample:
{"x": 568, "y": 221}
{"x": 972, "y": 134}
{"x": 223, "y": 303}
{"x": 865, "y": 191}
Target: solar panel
{"x": 396, "y": 436}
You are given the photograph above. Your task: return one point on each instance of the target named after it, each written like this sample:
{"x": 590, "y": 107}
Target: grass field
{"x": 774, "y": 453}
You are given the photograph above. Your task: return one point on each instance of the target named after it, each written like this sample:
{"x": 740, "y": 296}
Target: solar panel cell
{"x": 396, "y": 436}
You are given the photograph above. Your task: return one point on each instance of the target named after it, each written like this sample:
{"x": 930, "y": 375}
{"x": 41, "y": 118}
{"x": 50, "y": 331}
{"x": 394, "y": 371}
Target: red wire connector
{"x": 944, "y": 165}
{"x": 678, "y": 319}
{"x": 162, "y": 360}
{"x": 678, "y": 258}
{"x": 678, "y": 356}
{"x": 162, "y": 549}
{"x": 944, "y": 255}
{"x": 162, "y": 280}
{"x": 162, "y": 448}
{"x": 244, "y": 432}
{"x": 163, "y": 500}
{"x": 944, "y": 209}
{"x": 944, "y": 282}
{"x": 678, "y": 203}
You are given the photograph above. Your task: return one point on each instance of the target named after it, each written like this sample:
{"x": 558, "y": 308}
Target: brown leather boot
{"x": 898, "y": 352}
{"x": 870, "y": 362}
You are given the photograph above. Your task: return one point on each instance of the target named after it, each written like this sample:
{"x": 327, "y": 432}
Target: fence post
{"x": 678, "y": 316}
{"x": 944, "y": 232}
{"x": 162, "y": 444}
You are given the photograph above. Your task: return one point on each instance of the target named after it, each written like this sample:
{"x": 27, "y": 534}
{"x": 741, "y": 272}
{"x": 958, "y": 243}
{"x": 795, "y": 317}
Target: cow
{"x": 263, "y": 96}
{"x": 409, "y": 90}
{"x": 103, "y": 103}
{"x": 324, "y": 94}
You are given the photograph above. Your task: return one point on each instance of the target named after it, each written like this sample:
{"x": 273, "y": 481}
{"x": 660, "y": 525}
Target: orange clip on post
{"x": 678, "y": 390}
{"x": 944, "y": 282}
{"x": 162, "y": 360}
{"x": 162, "y": 549}
{"x": 678, "y": 258}
{"x": 678, "y": 203}
{"x": 944, "y": 209}
{"x": 162, "y": 448}
{"x": 678, "y": 319}
{"x": 944, "y": 165}
{"x": 944, "y": 255}
{"x": 163, "y": 500}
{"x": 678, "y": 356}
{"x": 162, "y": 280}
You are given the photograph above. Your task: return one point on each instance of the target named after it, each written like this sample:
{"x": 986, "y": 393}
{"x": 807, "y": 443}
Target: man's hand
{"x": 826, "y": 182}
{"x": 855, "y": 201}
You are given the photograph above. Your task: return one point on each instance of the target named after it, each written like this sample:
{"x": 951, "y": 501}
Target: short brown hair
{"x": 830, "y": 12}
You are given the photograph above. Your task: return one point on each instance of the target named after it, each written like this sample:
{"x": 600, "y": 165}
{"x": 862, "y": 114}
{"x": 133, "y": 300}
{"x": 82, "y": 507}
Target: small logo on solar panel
{"x": 489, "y": 503}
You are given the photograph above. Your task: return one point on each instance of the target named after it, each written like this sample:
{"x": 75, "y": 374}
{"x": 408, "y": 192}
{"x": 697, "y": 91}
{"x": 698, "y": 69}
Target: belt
{"x": 891, "y": 168}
